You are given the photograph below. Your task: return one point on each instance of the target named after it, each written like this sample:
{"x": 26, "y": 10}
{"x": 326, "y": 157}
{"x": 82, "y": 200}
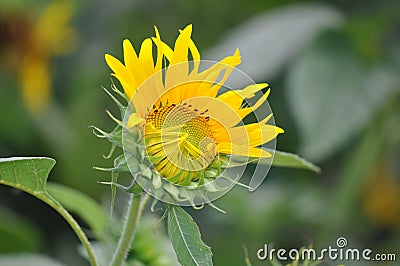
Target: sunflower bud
{"x": 181, "y": 129}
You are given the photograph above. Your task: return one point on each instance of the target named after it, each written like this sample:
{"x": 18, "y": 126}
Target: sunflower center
{"x": 181, "y": 137}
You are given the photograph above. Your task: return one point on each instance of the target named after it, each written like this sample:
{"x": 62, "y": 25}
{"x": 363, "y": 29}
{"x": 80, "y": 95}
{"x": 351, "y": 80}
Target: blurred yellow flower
{"x": 381, "y": 195}
{"x": 31, "y": 44}
{"x": 185, "y": 121}
{"x": 35, "y": 78}
{"x": 51, "y": 36}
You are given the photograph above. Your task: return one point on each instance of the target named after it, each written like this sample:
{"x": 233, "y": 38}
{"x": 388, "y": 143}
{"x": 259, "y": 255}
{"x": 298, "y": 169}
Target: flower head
{"x": 189, "y": 121}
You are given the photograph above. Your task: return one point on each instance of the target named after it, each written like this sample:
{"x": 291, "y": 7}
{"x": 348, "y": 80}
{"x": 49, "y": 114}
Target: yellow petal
{"x": 160, "y": 53}
{"x": 245, "y": 111}
{"x": 121, "y": 73}
{"x": 146, "y": 57}
{"x": 195, "y": 55}
{"x": 235, "y": 98}
{"x": 178, "y": 68}
{"x": 225, "y": 66}
{"x": 132, "y": 63}
{"x": 255, "y": 134}
{"x": 181, "y": 48}
{"x": 230, "y": 148}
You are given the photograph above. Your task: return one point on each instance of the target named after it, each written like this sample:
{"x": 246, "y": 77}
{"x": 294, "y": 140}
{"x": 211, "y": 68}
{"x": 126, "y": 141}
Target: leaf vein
{"x": 15, "y": 173}
{"x": 36, "y": 175}
{"x": 183, "y": 233}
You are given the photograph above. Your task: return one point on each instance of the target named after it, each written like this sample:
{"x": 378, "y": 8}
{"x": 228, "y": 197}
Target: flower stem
{"x": 134, "y": 212}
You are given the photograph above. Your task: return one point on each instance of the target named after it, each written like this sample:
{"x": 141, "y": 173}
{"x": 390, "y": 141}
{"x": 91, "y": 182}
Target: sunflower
{"x": 187, "y": 117}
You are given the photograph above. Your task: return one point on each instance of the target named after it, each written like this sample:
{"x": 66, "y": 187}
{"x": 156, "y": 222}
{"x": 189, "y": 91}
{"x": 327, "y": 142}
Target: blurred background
{"x": 334, "y": 71}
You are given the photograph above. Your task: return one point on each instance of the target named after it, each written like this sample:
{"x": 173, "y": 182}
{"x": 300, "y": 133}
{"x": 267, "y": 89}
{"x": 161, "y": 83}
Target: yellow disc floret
{"x": 182, "y": 137}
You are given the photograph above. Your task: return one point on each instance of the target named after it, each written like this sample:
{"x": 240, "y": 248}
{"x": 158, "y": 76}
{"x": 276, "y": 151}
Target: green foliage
{"x": 186, "y": 240}
{"x": 281, "y": 159}
{"x": 324, "y": 88}
{"x": 290, "y": 160}
{"x": 303, "y": 21}
{"x": 152, "y": 246}
{"x": 335, "y": 86}
{"x": 332, "y": 96}
{"x": 81, "y": 204}
{"x": 30, "y": 175}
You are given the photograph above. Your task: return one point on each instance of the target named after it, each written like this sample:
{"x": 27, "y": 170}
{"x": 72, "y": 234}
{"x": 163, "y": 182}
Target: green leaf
{"x": 332, "y": 95}
{"x": 254, "y": 38}
{"x": 281, "y": 159}
{"x": 186, "y": 239}
{"x": 81, "y": 204}
{"x": 27, "y": 174}
{"x": 30, "y": 175}
{"x": 31, "y": 260}
{"x": 291, "y": 160}
{"x": 325, "y": 95}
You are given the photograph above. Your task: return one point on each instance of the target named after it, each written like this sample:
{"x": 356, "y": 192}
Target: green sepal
{"x": 201, "y": 176}
{"x": 175, "y": 179}
{"x": 120, "y": 165}
{"x": 154, "y": 159}
{"x": 156, "y": 181}
{"x": 172, "y": 191}
{"x": 187, "y": 180}
{"x": 114, "y": 136}
{"x": 133, "y": 188}
{"x": 121, "y": 107}
{"x": 212, "y": 173}
{"x": 111, "y": 152}
{"x": 120, "y": 93}
{"x": 114, "y": 180}
{"x": 145, "y": 171}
